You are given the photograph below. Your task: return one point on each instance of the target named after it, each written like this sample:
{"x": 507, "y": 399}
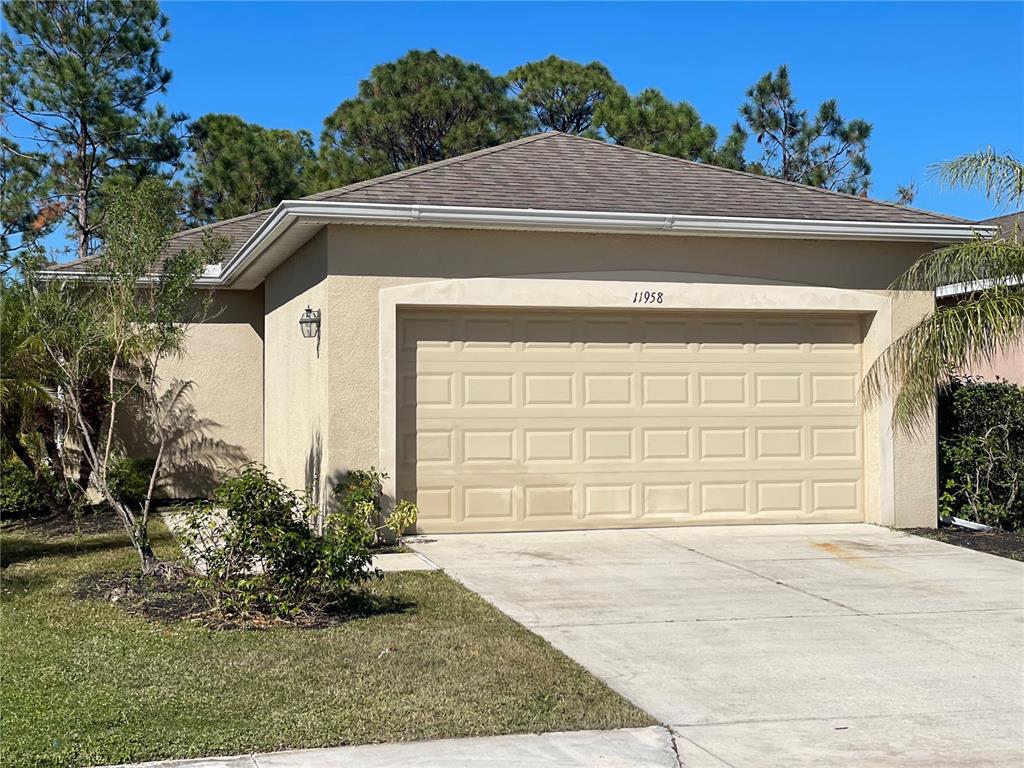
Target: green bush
{"x": 128, "y": 479}
{"x": 360, "y": 494}
{"x": 981, "y": 452}
{"x": 402, "y": 518}
{"x": 260, "y": 556}
{"x": 20, "y": 492}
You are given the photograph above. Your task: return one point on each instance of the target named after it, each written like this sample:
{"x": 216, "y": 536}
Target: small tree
{"x": 132, "y": 312}
{"x": 905, "y": 194}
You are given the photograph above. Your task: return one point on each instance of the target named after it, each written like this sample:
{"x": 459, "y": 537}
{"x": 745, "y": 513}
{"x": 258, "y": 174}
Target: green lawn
{"x": 85, "y": 683}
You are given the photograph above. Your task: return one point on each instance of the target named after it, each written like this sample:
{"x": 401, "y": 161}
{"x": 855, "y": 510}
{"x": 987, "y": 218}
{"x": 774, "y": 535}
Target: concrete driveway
{"x": 831, "y": 645}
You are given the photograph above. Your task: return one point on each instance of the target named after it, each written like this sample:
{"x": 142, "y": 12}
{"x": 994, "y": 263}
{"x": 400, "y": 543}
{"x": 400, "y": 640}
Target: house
{"x": 559, "y": 333}
{"x": 1007, "y": 364}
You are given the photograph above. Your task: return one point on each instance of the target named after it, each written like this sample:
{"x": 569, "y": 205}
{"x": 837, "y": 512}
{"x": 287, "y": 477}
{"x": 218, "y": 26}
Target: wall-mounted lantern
{"x": 310, "y": 323}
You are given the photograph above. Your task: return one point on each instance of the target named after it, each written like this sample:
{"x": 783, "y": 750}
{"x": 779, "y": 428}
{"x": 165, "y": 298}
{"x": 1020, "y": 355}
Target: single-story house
{"x": 559, "y": 333}
{"x": 1007, "y": 364}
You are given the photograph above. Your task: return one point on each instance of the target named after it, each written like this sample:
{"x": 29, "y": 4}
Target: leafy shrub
{"x": 128, "y": 479}
{"x": 260, "y": 556}
{"x": 981, "y": 452}
{"x": 360, "y": 494}
{"x": 402, "y": 518}
{"x": 20, "y": 492}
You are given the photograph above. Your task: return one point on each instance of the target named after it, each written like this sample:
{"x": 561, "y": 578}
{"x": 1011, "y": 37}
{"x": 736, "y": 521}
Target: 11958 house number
{"x": 648, "y": 297}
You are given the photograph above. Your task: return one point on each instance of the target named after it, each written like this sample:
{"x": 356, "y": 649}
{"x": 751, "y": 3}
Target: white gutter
{"x": 959, "y": 289}
{"x": 321, "y": 212}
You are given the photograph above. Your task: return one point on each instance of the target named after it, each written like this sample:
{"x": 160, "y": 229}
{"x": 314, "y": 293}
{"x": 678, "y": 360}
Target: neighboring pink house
{"x": 1008, "y": 365}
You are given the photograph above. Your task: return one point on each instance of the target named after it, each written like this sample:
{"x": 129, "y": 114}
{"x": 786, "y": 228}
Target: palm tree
{"x": 990, "y": 320}
{"x": 27, "y": 395}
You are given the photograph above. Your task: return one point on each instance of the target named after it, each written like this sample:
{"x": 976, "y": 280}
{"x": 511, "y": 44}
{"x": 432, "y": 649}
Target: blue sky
{"x": 935, "y": 79}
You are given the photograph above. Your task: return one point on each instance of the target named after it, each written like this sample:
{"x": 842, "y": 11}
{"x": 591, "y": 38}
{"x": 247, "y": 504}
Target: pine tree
{"x": 562, "y": 95}
{"x": 23, "y": 221}
{"x": 237, "y": 167}
{"x": 651, "y": 122}
{"x": 823, "y": 151}
{"x": 75, "y": 79}
{"x": 423, "y": 107}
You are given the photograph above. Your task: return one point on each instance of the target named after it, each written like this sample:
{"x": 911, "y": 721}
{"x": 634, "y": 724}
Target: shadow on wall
{"x": 318, "y": 487}
{"x": 314, "y": 465}
{"x": 194, "y": 461}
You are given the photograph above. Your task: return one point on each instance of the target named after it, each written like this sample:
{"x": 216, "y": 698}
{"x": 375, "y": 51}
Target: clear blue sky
{"x": 935, "y": 79}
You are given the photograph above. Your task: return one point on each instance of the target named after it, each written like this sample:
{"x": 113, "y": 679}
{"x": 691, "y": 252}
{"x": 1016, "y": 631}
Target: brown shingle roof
{"x": 1010, "y": 225}
{"x": 563, "y": 172}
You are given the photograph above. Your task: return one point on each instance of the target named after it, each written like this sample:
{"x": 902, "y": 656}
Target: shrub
{"x": 981, "y": 452}
{"x": 360, "y": 494}
{"x": 402, "y": 518}
{"x": 20, "y": 492}
{"x": 260, "y": 556}
{"x": 128, "y": 479}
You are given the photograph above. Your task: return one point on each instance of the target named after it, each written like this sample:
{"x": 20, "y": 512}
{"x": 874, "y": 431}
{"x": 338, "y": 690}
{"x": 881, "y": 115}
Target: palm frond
{"x": 938, "y": 347}
{"x": 1001, "y": 177}
{"x": 977, "y": 260}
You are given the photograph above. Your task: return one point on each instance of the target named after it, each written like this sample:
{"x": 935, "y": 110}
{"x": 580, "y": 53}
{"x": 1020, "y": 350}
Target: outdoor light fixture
{"x": 310, "y": 323}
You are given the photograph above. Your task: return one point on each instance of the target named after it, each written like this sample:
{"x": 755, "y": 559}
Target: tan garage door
{"x": 556, "y": 420}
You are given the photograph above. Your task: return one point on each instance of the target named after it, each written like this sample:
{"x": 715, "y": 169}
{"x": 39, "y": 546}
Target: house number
{"x": 648, "y": 297}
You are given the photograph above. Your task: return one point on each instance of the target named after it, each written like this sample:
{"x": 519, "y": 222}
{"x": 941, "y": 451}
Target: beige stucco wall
{"x": 320, "y": 408}
{"x": 915, "y": 464}
{"x": 361, "y": 261}
{"x": 297, "y": 395}
{"x": 222, "y": 424}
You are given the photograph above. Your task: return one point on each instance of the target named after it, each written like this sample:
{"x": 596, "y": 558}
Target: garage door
{"x": 562, "y": 420}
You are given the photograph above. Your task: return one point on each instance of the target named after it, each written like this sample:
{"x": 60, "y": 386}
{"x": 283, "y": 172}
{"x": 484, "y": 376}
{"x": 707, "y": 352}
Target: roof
{"x": 558, "y": 171}
{"x": 1011, "y": 225}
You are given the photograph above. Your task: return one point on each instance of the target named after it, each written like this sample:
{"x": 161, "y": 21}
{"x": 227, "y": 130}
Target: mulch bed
{"x": 1009, "y": 544}
{"x": 173, "y": 596}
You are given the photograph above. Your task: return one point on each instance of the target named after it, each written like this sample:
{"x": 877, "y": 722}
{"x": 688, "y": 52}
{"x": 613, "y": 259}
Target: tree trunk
{"x": 45, "y": 421}
{"x": 95, "y": 409}
{"x": 82, "y": 192}
{"x": 150, "y": 562}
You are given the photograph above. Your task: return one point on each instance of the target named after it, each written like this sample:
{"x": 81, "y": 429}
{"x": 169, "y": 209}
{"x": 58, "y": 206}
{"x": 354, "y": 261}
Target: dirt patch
{"x": 173, "y": 596}
{"x": 1009, "y": 544}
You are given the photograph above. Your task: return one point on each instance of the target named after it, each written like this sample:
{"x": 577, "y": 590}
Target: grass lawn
{"x": 85, "y": 683}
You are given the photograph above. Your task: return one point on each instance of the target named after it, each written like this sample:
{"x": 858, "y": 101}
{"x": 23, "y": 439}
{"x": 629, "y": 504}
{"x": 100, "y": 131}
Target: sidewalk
{"x": 626, "y": 748}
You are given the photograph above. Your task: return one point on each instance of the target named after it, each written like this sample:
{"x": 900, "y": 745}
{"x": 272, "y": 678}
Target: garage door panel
{"x": 567, "y": 420}
{"x": 628, "y": 445}
{"x": 541, "y": 501}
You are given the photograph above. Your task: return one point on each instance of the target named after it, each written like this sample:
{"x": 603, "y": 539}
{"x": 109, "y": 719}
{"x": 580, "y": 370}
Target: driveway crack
{"x": 676, "y": 737}
{"x": 675, "y": 747}
{"x": 769, "y": 579}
